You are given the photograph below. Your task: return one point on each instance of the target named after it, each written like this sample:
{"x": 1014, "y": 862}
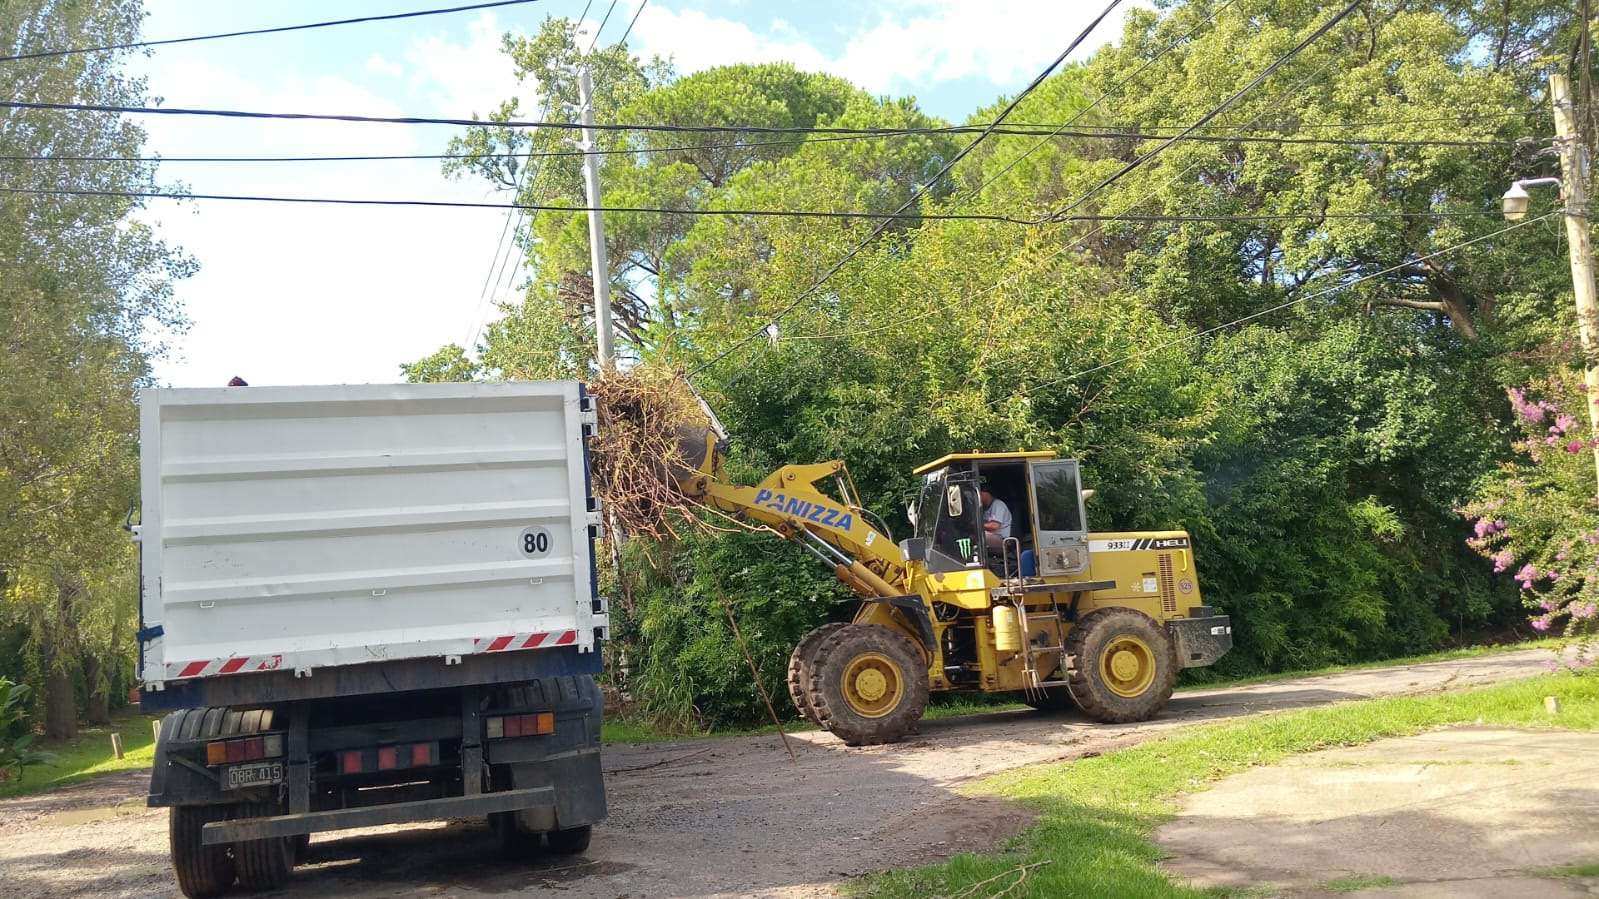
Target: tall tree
{"x": 85, "y": 286}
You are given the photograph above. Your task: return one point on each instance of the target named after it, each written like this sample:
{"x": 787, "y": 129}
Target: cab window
{"x": 1059, "y": 496}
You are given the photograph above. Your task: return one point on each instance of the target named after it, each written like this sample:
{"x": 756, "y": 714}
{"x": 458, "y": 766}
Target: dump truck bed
{"x": 302, "y": 528}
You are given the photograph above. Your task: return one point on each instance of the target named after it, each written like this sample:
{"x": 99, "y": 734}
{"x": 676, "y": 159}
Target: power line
{"x": 916, "y": 194}
{"x": 530, "y": 207}
{"x": 1294, "y": 302}
{"x": 608, "y": 10}
{"x": 860, "y": 133}
{"x": 758, "y": 213}
{"x": 1098, "y": 228}
{"x": 636, "y": 13}
{"x": 41, "y": 54}
{"x": 1216, "y": 111}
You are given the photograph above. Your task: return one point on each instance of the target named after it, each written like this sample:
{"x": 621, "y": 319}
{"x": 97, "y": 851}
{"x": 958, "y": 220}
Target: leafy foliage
{"x": 1318, "y": 453}
{"x": 16, "y": 733}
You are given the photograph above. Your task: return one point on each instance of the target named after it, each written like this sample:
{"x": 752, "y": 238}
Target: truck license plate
{"x": 259, "y": 774}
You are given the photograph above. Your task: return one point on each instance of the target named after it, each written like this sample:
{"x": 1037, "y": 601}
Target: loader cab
{"x": 1045, "y": 499}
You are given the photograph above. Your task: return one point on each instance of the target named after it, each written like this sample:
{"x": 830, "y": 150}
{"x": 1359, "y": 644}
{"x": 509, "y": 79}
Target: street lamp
{"x": 1516, "y": 199}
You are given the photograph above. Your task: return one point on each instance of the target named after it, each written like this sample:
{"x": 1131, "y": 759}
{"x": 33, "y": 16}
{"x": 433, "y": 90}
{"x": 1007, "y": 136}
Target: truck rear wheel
{"x": 263, "y": 864}
{"x": 868, "y": 684}
{"x": 570, "y": 841}
{"x": 202, "y": 871}
{"x": 799, "y": 668}
{"x": 1124, "y": 666}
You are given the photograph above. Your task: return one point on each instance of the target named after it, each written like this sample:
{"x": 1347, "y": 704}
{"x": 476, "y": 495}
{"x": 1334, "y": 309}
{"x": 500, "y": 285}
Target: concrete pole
{"x": 1574, "y": 193}
{"x": 597, "y": 259}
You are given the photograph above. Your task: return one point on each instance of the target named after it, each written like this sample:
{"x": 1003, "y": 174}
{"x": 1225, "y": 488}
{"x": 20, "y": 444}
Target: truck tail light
{"x": 388, "y": 758}
{"x": 249, "y": 749}
{"x": 508, "y": 726}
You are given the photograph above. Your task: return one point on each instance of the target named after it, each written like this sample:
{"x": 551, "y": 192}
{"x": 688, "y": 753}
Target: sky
{"x": 301, "y": 294}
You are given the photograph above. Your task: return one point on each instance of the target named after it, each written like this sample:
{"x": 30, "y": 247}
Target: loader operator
{"x": 996, "y": 521}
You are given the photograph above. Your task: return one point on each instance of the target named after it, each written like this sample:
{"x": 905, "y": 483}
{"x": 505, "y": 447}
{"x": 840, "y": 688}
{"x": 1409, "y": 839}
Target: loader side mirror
{"x": 952, "y": 500}
{"x": 910, "y": 513}
{"x": 1088, "y": 495}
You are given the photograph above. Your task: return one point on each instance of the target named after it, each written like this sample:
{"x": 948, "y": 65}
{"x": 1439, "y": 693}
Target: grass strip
{"x": 1097, "y": 814}
{"x": 86, "y": 755}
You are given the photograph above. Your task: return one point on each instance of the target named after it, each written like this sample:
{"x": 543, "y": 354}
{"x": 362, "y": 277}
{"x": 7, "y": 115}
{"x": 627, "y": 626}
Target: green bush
{"x": 16, "y": 733}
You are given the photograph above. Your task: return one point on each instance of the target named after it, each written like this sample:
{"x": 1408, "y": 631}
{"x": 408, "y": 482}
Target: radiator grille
{"x": 1168, "y": 595}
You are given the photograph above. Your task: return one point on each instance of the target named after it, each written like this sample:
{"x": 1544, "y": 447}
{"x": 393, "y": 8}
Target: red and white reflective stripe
{"x": 510, "y": 642}
{"x": 230, "y": 665}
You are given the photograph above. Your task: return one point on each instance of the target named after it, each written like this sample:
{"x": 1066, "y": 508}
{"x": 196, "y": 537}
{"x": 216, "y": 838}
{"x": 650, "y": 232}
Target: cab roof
{"x": 984, "y": 457}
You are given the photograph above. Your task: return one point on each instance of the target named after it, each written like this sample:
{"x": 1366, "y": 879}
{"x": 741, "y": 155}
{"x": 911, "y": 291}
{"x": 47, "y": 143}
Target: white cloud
{"x": 912, "y": 45}
{"x": 294, "y": 294}
{"x": 378, "y": 65}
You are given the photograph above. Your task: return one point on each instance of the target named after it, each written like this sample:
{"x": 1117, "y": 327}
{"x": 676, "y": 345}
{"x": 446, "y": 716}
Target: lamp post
{"x": 1573, "y": 191}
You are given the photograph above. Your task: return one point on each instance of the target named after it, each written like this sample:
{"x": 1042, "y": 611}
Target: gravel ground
{"x": 720, "y": 817}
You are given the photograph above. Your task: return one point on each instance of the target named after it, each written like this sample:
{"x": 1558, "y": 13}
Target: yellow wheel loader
{"x": 1051, "y": 611}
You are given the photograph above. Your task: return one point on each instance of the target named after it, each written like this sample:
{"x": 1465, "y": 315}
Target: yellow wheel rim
{"x": 873, "y": 685}
{"x": 1127, "y": 665}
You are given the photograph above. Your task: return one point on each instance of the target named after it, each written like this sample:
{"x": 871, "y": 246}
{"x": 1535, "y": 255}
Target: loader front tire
{"x": 1124, "y": 666}
{"x": 868, "y": 684}
{"x": 799, "y": 668}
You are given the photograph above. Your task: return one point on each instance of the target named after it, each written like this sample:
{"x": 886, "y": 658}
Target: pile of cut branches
{"x": 648, "y": 416}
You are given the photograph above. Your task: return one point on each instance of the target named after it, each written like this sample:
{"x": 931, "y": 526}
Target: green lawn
{"x": 87, "y": 755}
{"x": 1097, "y": 814}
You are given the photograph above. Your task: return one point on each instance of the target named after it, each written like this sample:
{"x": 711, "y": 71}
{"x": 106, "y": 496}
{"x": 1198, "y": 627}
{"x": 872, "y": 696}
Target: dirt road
{"x": 721, "y": 817}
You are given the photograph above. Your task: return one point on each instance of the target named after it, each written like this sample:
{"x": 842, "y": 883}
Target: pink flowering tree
{"x": 1537, "y": 518}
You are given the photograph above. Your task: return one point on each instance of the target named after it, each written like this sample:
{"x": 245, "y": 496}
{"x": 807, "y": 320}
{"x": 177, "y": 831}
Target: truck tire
{"x": 516, "y": 842}
{"x": 868, "y": 684}
{"x": 799, "y": 668}
{"x": 263, "y": 864}
{"x": 1124, "y": 665}
{"x": 202, "y": 871}
{"x": 571, "y": 841}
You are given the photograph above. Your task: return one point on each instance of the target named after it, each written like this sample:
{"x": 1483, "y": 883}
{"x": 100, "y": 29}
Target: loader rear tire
{"x": 799, "y": 668}
{"x": 1124, "y": 665}
{"x": 868, "y": 684}
{"x": 202, "y": 871}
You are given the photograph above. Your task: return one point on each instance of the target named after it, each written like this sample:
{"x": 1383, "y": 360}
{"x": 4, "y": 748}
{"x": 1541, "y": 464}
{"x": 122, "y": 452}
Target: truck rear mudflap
{"x": 1201, "y": 639}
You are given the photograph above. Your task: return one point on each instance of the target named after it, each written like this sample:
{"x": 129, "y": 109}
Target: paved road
{"x": 722, "y": 817}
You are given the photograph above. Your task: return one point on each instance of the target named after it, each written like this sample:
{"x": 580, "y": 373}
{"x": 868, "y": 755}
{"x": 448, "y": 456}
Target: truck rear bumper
{"x": 370, "y": 816}
{"x": 1201, "y": 641}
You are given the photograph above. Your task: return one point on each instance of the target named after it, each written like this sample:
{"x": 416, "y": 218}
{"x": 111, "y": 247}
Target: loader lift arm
{"x": 835, "y": 530}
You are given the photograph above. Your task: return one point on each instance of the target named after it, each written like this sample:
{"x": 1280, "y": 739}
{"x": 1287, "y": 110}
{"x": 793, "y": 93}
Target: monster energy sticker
{"x": 964, "y": 544}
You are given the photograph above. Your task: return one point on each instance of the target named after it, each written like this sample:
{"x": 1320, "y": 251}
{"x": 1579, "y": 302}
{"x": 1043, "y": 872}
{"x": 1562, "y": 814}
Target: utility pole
{"x": 597, "y": 259}
{"x": 1574, "y": 192}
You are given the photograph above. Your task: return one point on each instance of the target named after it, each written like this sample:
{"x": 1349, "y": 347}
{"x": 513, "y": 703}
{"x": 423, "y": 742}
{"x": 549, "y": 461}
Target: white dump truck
{"x": 368, "y": 605}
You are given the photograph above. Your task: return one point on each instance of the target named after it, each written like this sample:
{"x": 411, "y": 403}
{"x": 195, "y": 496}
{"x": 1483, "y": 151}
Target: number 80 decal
{"x": 534, "y": 542}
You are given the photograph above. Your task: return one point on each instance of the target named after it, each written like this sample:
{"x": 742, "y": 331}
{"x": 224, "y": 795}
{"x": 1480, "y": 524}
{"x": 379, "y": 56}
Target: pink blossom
{"x": 1563, "y": 423}
{"x": 1527, "y": 575}
{"x": 1502, "y": 560}
{"x": 1551, "y": 440}
{"x": 1574, "y": 447}
{"x": 1540, "y": 624}
{"x": 1582, "y": 611}
{"x": 1560, "y": 556}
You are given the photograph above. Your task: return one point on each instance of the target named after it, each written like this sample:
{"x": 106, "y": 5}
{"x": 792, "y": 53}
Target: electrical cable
{"x": 1216, "y": 111}
{"x": 1097, "y": 229}
{"x": 41, "y": 54}
{"x": 1294, "y": 302}
{"x": 984, "y": 130}
{"x": 755, "y": 213}
{"x": 608, "y": 10}
{"x": 634, "y": 21}
{"x": 916, "y": 194}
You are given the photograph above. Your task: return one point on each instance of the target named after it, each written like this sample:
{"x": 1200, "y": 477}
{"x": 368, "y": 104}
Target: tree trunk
{"x": 99, "y": 688}
{"x": 60, "y": 705}
{"x": 61, "y": 662}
